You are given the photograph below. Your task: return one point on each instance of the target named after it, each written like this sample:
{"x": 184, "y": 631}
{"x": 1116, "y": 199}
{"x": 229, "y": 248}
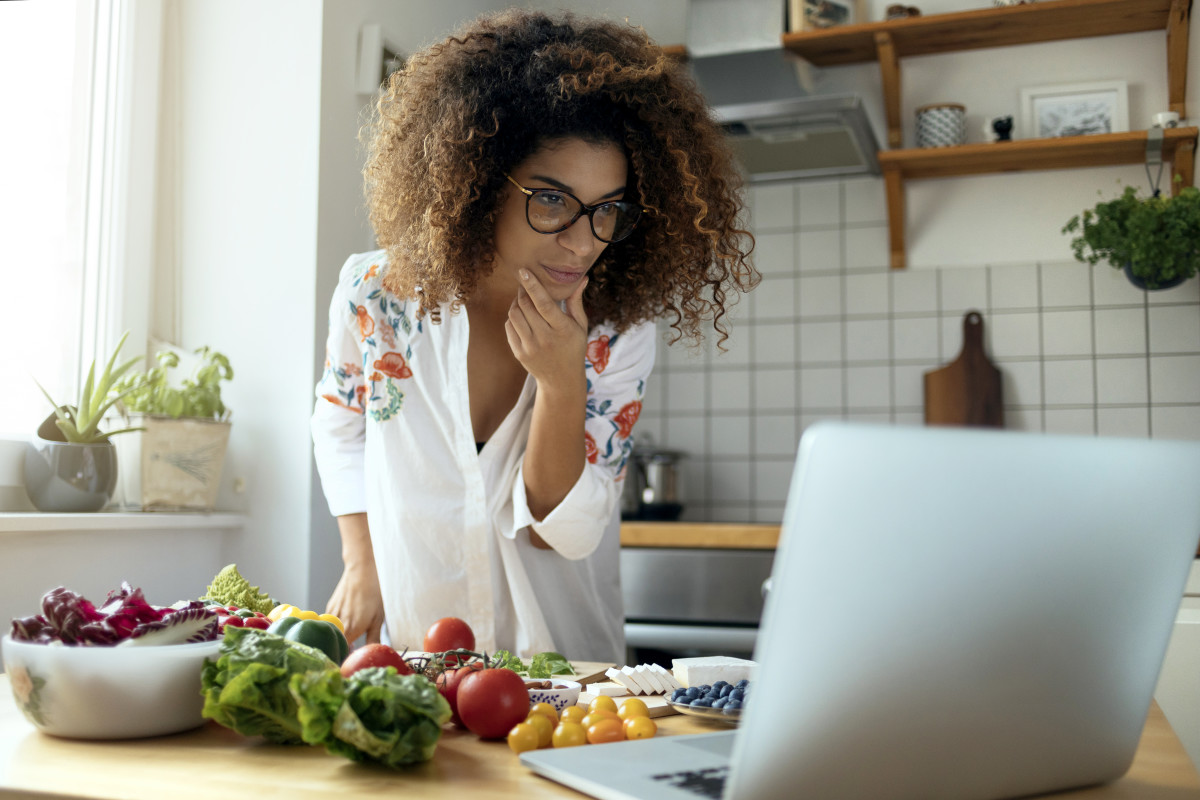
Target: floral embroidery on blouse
{"x": 627, "y": 417}
{"x": 589, "y": 447}
{"x": 598, "y": 352}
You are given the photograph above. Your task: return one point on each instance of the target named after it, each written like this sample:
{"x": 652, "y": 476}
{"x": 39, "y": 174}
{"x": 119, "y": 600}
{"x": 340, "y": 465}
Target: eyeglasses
{"x": 553, "y": 211}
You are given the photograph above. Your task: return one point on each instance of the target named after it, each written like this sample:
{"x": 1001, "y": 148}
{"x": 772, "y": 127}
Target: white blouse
{"x": 392, "y": 436}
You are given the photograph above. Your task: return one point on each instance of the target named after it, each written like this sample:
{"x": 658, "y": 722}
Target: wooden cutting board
{"x": 967, "y": 391}
{"x": 656, "y": 704}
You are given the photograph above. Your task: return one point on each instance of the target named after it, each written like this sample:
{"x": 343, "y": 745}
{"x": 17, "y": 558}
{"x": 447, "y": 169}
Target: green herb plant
{"x": 80, "y": 423}
{"x": 1156, "y": 238}
{"x": 151, "y": 392}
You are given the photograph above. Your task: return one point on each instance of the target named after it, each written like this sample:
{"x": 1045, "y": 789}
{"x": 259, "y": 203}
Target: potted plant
{"x": 182, "y": 450}
{"x": 1155, "y": 240}
{"x": 70, "y": 465}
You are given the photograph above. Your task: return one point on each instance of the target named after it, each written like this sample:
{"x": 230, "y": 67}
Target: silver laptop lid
{"x": 961, "y": 613}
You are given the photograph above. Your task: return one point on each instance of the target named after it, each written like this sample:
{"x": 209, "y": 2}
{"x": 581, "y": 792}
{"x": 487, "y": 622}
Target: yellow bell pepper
{"x": 333, "y": 619}
{"x": 300, "y": 613}
{"x": 279, "y": 611}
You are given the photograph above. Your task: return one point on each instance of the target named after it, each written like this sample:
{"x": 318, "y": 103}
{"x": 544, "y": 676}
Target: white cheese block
{"x": 647, "y": 675}
{"x": 608, "y": 689}
{"x": 710, "y": 669}
{"x": 623, "y": 679}
{"x": 665, "y": 678}
{"x": 643, "y": 685}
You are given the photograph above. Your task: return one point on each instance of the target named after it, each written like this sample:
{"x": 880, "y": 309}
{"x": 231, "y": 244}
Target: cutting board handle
{"x": 973, "y": 331}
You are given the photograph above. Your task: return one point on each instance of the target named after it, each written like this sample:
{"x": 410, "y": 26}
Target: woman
{"x": 543, "y": 189}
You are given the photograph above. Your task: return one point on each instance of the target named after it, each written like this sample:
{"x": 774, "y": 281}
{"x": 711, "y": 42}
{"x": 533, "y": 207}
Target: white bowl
{"x": 564, "y": 694}
{"x": 108, "y": 692}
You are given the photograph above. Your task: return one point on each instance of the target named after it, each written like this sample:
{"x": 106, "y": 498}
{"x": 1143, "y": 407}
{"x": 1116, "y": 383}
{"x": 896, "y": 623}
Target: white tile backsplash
{"x": 833, "y": 334}
{"x": 867, "y": 340}
{"x": 820, "y": 250}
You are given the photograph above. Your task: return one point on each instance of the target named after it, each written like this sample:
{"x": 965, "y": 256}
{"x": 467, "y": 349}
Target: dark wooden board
{"x": 967, "y": 391}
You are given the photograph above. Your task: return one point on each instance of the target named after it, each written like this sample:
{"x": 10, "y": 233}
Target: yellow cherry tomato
{"x": 639, "y": 728}
{"x": 606, "y": 730}
{"x": 334, "y": 620}
{"x": 546, "y": 709}
{"x": 542, "y": 724}
{"x": 522, "y": 737}
{"x": 278, "y": 611}
{"x": 603, "y": 702}
{"x": 573, "y": 714}
{"x": 569, "y": 734}
{"x": 633, "y": 707}
{"x": 595, "y": 716}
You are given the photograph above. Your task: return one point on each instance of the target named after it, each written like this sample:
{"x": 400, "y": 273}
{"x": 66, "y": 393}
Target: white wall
{"x": 247, "y": 101}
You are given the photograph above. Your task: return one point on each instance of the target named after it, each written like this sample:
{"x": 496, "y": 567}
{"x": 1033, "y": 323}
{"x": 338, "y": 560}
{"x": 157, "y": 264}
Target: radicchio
{"x": 125, "y": 618}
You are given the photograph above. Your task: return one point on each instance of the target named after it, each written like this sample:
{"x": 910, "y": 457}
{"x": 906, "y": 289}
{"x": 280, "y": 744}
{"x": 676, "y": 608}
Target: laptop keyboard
{"x": 701, "y": 782}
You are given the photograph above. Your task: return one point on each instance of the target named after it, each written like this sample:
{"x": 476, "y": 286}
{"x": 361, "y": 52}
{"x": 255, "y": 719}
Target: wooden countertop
{"x": 735, "y": 536}
{"x": 212, "y": 762}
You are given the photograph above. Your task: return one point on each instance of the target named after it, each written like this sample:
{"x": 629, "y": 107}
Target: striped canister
{"x": 941, "y": 125}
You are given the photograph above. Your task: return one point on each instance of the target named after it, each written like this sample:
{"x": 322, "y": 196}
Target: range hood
{"x": 780, "y": 122}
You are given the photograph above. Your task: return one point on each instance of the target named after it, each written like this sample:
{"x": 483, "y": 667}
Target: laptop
{"x": 955, "y": 614}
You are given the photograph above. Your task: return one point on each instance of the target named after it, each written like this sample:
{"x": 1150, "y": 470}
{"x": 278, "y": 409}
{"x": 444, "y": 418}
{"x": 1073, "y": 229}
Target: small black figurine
{"x": 1002, "y": 126}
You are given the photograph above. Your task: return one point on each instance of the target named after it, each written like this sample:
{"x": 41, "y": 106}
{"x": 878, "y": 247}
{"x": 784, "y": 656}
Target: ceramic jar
{"x": 941, "y": 125}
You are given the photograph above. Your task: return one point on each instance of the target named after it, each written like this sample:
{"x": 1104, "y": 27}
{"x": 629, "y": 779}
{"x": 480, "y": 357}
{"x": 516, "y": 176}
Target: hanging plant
{"x": 1156, "y": 239}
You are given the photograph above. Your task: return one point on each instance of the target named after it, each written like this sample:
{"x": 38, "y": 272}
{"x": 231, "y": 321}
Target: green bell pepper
{"x": 317, "y": 633}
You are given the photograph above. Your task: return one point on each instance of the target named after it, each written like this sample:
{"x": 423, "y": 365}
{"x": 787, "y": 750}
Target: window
{"x": 76, "y": 167}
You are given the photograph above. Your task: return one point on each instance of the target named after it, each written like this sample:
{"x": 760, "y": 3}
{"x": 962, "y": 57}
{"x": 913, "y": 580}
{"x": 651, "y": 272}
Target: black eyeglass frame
{"x": 584, "y": 208}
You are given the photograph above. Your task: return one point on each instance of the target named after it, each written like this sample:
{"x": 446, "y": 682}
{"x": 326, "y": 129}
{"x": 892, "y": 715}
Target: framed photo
{"x": 813, "y": 15}
{"x": 1076, "y": 109}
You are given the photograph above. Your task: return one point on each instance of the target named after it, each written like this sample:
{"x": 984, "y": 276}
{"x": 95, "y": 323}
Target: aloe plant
{"x": 80, "y": 423}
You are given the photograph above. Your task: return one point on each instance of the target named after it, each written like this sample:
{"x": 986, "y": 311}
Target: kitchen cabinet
{"x": 888, "y": 42}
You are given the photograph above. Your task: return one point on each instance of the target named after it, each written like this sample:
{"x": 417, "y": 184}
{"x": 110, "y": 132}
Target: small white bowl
{"x": 108, "y": 692}
{"x": 563, "y": 695}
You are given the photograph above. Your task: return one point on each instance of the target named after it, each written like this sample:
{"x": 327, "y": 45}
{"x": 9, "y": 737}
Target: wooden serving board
{"x": 967, "y": 390}
{"x": 587, "y": 672}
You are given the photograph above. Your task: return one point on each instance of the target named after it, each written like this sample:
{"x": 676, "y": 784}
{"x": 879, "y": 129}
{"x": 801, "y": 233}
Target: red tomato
{"x": 447, "y": 684}
{"x": 262, "y": 623}
{"x": 374, "y": 655}
{"x": 492, "y": 701}
{"x": 449, "y": 633}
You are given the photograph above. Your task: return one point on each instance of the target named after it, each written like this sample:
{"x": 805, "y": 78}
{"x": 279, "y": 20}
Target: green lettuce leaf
{"x": 387, "y": 718}
{"x": 247, "y": 687}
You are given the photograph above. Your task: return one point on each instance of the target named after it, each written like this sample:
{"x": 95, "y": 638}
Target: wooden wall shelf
{"x": 1046, "y": 21}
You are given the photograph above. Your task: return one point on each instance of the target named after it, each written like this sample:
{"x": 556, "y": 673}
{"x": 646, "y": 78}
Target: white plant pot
{"x": 181, "y": 462}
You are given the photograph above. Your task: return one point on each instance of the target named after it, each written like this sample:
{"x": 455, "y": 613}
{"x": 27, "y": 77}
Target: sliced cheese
{"x": 647, "y": 675}
{"x": 607, "y": 688}
{"x": 710, "y": 669}
{"x": 623, "y": 679}
{"x": 665, "y": 678}
{"x": 643, "y": 686}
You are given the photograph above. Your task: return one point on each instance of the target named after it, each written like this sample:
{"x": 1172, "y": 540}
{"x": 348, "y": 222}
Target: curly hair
{"x": 462, "y": 113}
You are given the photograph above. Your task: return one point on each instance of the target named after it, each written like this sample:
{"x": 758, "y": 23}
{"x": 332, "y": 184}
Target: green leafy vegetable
{"x": 374, "y": 715}
{"x": 246, "y": 688}
{"x": 544, "y": 665}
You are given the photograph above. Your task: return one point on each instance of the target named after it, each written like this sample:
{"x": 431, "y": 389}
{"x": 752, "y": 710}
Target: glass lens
{"x": 612, "y": 222}
{"x": 550, "y": 211}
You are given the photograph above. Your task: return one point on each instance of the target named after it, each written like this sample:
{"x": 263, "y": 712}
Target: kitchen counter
{"x": 721, "y": 535}
{"x": 212, "y": 762}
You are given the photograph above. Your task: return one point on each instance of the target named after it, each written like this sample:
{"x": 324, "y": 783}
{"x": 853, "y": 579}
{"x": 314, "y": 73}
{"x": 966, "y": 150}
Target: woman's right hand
{"x": 357, "y": 600}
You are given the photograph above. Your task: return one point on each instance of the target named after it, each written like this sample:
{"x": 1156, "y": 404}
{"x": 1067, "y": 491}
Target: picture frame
{"x": 815, "y": 15}
{"x": 1074, "y": 109}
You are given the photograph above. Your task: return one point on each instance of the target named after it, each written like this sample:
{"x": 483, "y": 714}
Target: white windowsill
{"x": 120, "y": 520}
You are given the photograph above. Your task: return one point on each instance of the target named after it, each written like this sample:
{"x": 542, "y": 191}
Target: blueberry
{"x": 719, "y": 684}
{"x": 705, "y": 688}
{"x": 702, "y": 702}
{"x": 737, "y": 694}
{"x": 720, "y": 702}
{"x": 692, "y": 692}
{"x": 733, "y": 705}
{"x": 726, "y": 690}
{"x": 743, "y": 683}
{"x": 678, "y": 693}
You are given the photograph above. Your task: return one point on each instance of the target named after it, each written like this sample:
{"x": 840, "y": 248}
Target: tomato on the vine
{"x": 374, "y": 655}
{"x": 447, "y": 684}
{"x": 449, "y": 633}
{"x": 492, "y": 701}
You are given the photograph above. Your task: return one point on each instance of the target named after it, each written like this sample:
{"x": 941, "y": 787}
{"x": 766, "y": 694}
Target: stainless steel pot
{"x": 653, "y": 486}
